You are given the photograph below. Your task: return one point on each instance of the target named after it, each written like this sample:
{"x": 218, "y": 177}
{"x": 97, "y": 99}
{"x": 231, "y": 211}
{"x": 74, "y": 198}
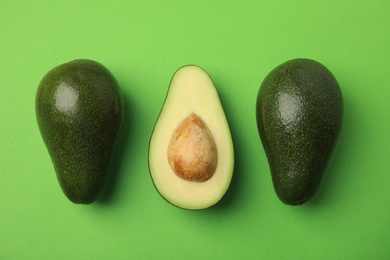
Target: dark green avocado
{"x": 299, "y": 116}
{"x": 79, "y": 110}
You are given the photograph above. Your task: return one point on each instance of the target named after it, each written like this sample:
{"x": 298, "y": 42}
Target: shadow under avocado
{"x": 228, "y": 199}
{"x": 121, "y": 145}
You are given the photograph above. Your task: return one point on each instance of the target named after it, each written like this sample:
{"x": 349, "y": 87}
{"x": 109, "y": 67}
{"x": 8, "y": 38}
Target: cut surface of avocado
{"x": 191, "y": 156}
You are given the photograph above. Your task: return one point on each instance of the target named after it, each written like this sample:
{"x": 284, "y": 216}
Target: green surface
{"x": 237, "y": 43}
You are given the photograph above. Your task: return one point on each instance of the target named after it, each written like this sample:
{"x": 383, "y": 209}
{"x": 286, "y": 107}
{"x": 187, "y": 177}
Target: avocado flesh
{"x": 191, "y": 91}
{"x": 79, "y": 112}
{"x": 299, "y": 116}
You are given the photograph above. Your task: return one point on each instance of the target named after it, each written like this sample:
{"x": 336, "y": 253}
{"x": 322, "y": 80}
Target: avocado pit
{"x": 192, "y": 152}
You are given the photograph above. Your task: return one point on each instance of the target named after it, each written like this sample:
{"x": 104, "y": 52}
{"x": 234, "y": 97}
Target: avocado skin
{"x": 299, "y": 116}
{"x": 79, "y": 112}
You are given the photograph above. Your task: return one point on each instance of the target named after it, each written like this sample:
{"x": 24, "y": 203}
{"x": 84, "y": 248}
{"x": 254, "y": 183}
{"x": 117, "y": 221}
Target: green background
{"x": 237, "y": 43}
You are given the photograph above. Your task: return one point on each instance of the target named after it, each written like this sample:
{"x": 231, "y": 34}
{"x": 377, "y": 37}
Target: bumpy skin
{"x": 79, "y": 111}
{"x": 299, "y": 117}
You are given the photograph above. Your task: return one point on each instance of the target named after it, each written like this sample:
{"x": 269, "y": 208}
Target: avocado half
{"x": 191, "y": 156}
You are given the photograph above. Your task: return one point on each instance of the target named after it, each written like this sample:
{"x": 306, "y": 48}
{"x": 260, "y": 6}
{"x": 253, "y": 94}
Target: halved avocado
{"x": 191, "y": 156}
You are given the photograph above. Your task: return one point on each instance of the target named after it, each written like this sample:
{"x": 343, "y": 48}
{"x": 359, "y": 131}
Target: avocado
{"x": 191, "y": 156}
{"x": 79, "y": 111}
{"x": 299, "y": 112}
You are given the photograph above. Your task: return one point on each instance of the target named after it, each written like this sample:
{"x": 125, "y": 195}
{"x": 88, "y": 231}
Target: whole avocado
{"x": 79, "y": 111}
{"x": 299, "y": 112}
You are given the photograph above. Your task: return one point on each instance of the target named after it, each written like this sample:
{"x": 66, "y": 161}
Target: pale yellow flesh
{"x": 191, "y": 91}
